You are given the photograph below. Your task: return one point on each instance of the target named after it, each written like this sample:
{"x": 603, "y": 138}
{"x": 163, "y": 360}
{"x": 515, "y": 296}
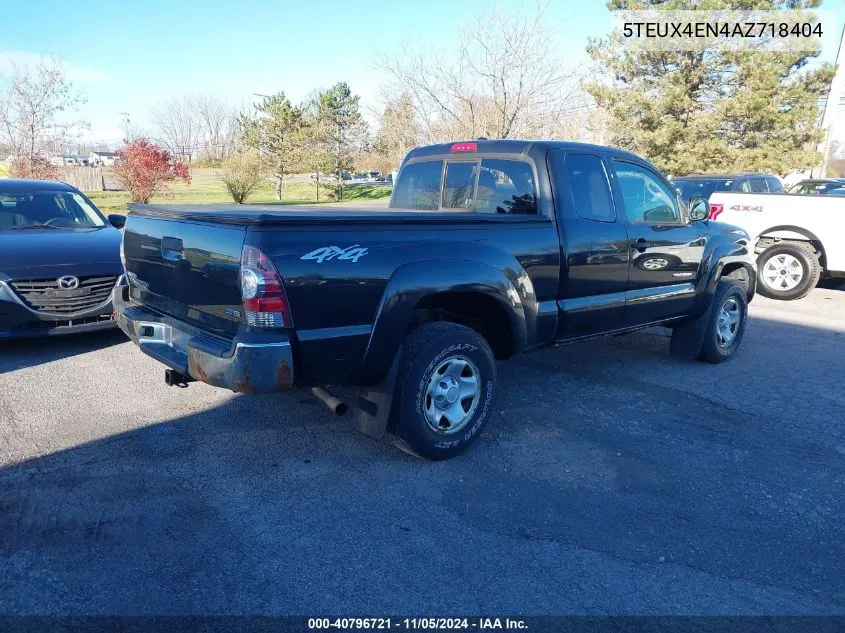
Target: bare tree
{"x": 131, "y": 131}
{"x": 397, "y": 130}
{"x": 32, "y": 101}
{"x": 194, "y": 125}
{"x": 836, "y": 160}
{"x": 215, "y": 116}
{"x": 503, "y": 80}
{"x": 175, "y": 125}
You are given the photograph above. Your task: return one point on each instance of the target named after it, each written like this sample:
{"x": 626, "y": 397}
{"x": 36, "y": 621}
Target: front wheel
{"x": 726, "y": 326}
{"x": 444, "y": 388}
{"x": 787, "y": 271}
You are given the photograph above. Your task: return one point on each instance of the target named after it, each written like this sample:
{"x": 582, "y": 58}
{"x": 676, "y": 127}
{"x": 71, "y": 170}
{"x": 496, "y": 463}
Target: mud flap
{"x": 373, "y": 403}
{"x": 688, "y": 339}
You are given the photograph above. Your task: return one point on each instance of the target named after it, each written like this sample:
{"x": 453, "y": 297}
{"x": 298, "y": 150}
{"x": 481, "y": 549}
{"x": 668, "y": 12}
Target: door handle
{"x": 171, "y": 248}
{"x": 640, "y": 244}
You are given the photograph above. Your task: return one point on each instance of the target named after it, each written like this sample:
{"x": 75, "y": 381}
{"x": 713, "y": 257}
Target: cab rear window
{"x": 489, "y": 185}
{"x": 419, "y": 186}
{"x": 460, "y": 184}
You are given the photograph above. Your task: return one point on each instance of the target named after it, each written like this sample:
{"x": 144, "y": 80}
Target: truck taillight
{"x": 264, "y": 298}
{"x": 715, "y": 210}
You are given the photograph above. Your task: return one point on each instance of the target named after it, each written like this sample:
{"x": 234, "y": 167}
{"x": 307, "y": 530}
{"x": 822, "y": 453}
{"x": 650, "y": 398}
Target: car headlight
{"x": 4, "y": 293}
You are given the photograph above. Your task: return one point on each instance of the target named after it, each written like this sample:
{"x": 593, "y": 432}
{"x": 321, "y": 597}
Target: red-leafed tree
{"x": 144, "y": 169}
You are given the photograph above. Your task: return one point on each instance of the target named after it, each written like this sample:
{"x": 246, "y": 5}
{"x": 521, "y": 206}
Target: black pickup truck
{"x": 488, "y": 249}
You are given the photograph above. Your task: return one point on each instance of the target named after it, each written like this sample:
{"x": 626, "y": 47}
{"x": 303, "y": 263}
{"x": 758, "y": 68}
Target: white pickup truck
{"x": 797, "y": 238}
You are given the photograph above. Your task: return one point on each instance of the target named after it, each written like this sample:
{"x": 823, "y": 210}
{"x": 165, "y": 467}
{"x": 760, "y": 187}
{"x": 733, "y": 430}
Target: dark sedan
{"x": 820, "y": 187}
{"x": 59, "y": 260}
{"x": 704, "y": 186}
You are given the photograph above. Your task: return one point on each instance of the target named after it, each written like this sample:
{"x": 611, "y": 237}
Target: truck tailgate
{"x": 187, "y": 269}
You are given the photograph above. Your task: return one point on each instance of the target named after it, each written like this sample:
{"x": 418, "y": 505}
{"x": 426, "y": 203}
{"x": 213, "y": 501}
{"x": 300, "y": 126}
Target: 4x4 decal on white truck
{"x": 325, "y": 253}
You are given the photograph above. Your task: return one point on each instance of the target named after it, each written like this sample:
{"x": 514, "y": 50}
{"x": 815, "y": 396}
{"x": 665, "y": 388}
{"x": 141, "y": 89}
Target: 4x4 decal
{"x": 325, "y": 253}
{"x": 746, "y": 207}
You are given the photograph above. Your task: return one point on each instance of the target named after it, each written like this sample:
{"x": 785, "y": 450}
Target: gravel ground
{"x": 611, "y": 480}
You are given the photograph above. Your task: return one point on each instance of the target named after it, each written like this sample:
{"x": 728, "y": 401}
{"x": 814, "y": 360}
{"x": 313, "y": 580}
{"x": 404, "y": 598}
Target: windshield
{"x": 701, "y": 188}
{"x": 43, "y": 209}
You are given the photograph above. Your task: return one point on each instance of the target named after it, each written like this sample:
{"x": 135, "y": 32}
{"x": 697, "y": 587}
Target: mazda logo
{"x": 68, "y": 282}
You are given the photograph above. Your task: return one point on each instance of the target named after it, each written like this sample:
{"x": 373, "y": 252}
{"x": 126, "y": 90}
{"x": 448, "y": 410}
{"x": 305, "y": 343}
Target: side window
{"x": 590, "y": 189}
{"x": 418, "y": 186}
{"x": 506, "y": 186}
{"x": 460, "y": 183}
{"x": 758, "y": 185}
{"x": 744, "y": 185}
{"x": 774, "y": 185}
{"x": 647, "y": 199}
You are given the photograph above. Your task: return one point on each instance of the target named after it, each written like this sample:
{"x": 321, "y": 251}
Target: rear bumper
{"x": 243, "y": 364}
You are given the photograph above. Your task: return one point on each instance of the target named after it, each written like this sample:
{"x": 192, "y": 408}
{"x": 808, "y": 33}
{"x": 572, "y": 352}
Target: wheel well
{"x": 766, "y": 240}
{"x": 742, "y": 275}
{"x": 475, "y": 310}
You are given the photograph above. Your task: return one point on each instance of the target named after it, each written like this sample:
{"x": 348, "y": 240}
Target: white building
{"x": 102, "y": 159}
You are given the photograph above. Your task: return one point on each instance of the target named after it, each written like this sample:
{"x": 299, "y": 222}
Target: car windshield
{"x": 47, "y": 209}
{"x": 701, "y": 187}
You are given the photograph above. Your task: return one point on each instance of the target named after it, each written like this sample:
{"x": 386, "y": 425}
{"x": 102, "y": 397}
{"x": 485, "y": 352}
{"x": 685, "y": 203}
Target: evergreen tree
{"x": 276, "y": 129}
{"x": 337, "y": 128}
{"x": 716, "y": 110}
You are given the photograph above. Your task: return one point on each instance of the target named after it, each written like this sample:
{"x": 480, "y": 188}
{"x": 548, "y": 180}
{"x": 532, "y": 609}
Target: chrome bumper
{"x": 238, "y": 364}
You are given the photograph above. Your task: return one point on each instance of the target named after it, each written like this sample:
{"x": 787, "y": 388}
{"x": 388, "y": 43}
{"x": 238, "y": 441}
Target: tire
{"x": 429, "y": 416}
{"x": 716, "y": 347}
{"x": 778, "y": 266}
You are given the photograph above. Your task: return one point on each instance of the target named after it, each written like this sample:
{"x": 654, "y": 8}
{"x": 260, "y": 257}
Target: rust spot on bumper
{"x": 284, "y": 376}
{"x": 195, "y": 368}
{"x": 244, "y": 385}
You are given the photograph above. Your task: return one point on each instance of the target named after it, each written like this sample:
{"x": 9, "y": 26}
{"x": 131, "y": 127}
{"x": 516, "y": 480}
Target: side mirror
{"x": 699, "y": 209}
{"x": 117, "y": 220}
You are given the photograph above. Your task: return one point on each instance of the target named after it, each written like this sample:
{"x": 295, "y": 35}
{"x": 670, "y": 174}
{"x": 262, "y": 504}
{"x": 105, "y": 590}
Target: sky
{"x": 128, "y": 56}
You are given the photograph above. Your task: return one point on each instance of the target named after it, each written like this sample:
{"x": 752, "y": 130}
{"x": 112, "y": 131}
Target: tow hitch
{"x": 173, "y": 378}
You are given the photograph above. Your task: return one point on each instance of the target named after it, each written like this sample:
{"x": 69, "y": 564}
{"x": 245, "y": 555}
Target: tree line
{"x": 504, "y": 77}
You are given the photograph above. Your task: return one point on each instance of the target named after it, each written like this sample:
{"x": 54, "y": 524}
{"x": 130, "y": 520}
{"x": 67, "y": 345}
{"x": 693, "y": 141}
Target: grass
{"x": 206, "y": 188}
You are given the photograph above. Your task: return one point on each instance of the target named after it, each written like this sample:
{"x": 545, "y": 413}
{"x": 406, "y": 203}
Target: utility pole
{"x": 837, "y": 89}
{"x": 124, "y": 121}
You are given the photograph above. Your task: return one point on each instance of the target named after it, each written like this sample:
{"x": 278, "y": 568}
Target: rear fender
{"x": 511, "y": 288}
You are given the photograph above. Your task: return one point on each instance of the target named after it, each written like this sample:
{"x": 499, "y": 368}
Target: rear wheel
{"x": 444, "y": 388}
{"x": 787, "y": 271}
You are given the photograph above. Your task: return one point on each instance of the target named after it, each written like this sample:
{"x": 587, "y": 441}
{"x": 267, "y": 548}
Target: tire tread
{"x": 434, "y": 335}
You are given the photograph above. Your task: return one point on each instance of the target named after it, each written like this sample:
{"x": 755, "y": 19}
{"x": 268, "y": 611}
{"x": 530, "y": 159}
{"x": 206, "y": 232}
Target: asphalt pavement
{"x": 611, "y": 479}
